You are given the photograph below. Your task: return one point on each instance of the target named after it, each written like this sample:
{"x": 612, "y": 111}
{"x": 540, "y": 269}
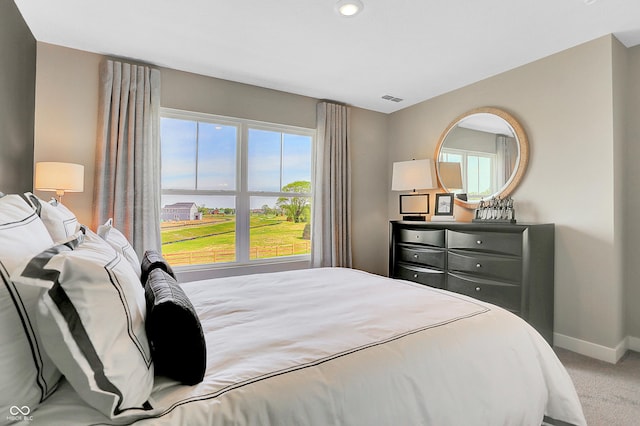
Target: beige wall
{"x": 631, "y": 195}
{"x": 564, "y": 103}
{"x": 369, "y": 190}
{"x": 66, "y": 116}
{"x": 620, "y": 72}
{"x": 193, "y": 92}
{"x": 66, "y": 119}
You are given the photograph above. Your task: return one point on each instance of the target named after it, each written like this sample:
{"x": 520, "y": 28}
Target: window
{"x": 477, "y": 171}
{"x": 233, "y": 190}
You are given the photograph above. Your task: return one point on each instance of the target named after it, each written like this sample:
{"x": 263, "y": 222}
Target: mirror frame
{"x": 523, "y": 147}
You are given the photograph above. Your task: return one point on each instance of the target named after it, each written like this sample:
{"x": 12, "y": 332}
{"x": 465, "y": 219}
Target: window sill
{"x": 203, "y": 272}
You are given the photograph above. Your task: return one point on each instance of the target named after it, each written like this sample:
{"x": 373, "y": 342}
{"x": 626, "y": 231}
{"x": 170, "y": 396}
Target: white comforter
{"x": 343, "y": 347}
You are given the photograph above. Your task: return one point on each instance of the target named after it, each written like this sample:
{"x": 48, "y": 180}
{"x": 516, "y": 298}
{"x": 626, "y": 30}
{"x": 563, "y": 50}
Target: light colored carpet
{"x": 610, "y": 394}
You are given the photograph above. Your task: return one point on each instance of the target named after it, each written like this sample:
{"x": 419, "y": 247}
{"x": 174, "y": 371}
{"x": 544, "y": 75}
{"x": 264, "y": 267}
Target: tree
{"x": 296, "y": 207}
{"x": 203, "y": 209}
{"x": 266, "y": 210}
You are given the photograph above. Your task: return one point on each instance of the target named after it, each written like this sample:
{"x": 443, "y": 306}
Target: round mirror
{"x": 480, "y": 155}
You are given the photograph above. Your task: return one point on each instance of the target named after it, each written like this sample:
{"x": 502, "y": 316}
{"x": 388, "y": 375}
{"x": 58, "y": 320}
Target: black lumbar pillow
{"x": 175, "y": 334}
{"x": 152, "y": 260}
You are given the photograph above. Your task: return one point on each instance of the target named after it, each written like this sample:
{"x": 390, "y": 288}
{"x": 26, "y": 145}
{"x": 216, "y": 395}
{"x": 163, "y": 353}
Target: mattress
{"x": 336, "y": 346}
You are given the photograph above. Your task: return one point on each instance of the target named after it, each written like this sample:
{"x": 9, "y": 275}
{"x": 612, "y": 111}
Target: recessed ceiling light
{"x": 349, "y": 7}
{"x": 589, "y": 1}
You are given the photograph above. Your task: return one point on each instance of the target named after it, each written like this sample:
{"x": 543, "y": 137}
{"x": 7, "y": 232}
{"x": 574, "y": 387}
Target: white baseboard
{"x": 633, "y": 343}
{"x": 593, "y": 350}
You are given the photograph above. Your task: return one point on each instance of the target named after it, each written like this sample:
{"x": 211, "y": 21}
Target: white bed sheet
{"x": 343, "y": 347}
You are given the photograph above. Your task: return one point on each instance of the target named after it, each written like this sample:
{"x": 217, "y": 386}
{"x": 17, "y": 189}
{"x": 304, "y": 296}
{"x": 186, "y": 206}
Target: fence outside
{"x": 228, "y": 255}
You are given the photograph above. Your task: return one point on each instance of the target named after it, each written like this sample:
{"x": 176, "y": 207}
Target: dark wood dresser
{"x": 511, "y": 266}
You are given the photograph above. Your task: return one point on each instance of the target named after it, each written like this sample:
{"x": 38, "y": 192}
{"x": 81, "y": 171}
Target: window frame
{"x": 241, "y": 191}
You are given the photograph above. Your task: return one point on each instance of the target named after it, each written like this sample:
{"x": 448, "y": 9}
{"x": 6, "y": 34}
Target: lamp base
{"x": 415, "y": 218}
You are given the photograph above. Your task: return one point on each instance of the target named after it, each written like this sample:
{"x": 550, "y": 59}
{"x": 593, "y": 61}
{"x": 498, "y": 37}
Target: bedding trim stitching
{"x": 45, "y": 390}
{"x": 27, "y": 326}
{"x": 314, "y": 363}
{"x": 123, "y": 300}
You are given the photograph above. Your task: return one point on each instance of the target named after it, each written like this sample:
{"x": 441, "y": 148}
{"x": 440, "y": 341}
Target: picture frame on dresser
{"x": 444, "y": 204}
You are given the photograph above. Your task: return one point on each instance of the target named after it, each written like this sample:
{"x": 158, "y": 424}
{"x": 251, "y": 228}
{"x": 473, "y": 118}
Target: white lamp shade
{"x": 450, "y": 175}
{"x": 412, "y": 175}
{"x": 65, "y": 177}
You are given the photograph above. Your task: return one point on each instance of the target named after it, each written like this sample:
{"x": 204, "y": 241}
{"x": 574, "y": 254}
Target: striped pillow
{"x": 106, "y": 357}
{"x": 27, "y": 374}
{"x": 154, "y": 260}
{"x": 177, "y": 341}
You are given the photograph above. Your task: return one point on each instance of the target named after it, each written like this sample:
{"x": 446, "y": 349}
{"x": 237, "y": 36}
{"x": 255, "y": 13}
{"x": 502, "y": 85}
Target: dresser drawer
{"x": 432, "y": 237}
{"x": 502, "y": 294}
{"x": 425, "y": 256}
{"x": 430, "y": 277}
{"x": 495, "y": 242}
{"x": 501, "y": 267}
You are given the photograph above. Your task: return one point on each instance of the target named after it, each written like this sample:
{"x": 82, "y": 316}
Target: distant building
{"x": 181, "y": 211}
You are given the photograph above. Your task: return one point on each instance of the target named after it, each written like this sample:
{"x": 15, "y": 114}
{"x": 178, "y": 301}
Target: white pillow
{"x": 119, "y": 242}
{"x": 27, "y": 374}
{"x": 105, "y": 355}
{"x": 59, "y": 220}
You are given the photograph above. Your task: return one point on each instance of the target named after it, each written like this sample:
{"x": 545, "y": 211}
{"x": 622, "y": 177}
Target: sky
{"x": 273, "y": 159}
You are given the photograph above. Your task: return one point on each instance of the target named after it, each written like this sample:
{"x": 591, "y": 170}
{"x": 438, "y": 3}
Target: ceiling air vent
{"x": 392, "y": 98}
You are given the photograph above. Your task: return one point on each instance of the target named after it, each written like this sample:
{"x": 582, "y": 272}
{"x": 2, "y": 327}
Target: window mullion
{"x": 281, "y": 158}
{"x": 242, "y": 199}
{"x": 197, "y": 152}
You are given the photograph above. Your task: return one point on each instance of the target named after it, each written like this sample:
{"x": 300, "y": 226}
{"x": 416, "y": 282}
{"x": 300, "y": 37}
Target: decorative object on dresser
{"x": 511, "y": 266}
{"x": 411, "y": 176}
{"x": 444, "y": 208}
{"x": 495, "y": 210}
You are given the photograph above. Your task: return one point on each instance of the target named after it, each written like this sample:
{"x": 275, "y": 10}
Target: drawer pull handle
{"x": 478, "y": 265}
{"x": 415, "y": 275}
{"x": 479, "y": 242}
{"x": 477, "y": 288}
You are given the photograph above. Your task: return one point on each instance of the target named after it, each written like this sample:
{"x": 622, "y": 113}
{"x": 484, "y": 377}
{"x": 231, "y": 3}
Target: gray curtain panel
{"x": 331, "y": 221}
{"x": 127, "y": 180}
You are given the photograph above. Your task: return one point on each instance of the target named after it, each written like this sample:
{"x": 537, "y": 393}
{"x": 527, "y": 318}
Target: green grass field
{"x": 213, "y": 239}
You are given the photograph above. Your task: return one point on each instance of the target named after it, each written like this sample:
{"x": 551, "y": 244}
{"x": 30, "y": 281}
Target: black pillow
{"x": 174, "y": 331}
{"x": 152, "y": 260}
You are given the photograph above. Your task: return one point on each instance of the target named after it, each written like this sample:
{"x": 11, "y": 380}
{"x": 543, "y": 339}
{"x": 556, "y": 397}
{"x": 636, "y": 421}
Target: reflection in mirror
{"x": 482, "y": 154}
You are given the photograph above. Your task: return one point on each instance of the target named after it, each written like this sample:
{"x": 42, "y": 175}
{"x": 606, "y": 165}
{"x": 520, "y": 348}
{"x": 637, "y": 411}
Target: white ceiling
{"x": 409, "y": 49}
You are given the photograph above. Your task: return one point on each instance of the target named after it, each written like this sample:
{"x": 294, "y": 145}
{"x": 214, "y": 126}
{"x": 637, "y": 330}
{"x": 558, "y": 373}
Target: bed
{"x": 333, "y": 346}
